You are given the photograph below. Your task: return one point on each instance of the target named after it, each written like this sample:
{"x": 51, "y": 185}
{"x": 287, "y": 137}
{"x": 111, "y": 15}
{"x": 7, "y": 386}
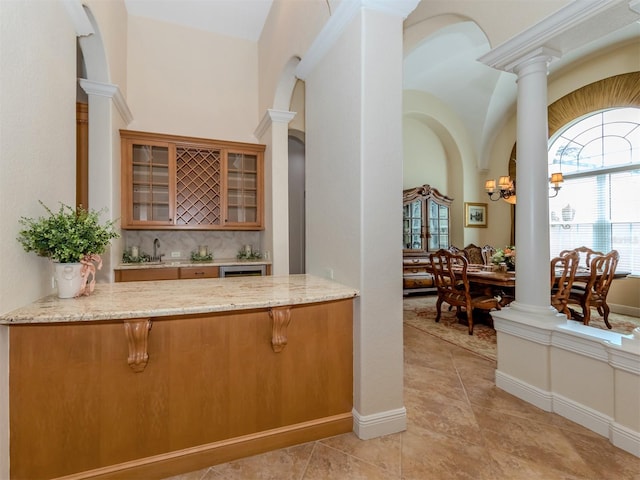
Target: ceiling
{"x": 233, "y": 18}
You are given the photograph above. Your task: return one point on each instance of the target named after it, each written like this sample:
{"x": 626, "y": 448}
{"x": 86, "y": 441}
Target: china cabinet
{"x": 175, "y": 182}
{"x": 426, "y": 227}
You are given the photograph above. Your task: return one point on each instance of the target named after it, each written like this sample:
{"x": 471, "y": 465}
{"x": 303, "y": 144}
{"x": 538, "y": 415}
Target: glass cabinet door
{"x": 242, "y": 188}
{"x": 425, "y": 220}
{"x": 438, "y": 225}
{"x": 413, "y": 238}
{"x": 150, "y": 170}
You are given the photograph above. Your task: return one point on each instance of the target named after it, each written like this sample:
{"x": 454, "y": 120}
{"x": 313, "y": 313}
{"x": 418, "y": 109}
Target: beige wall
{"x": 37, "y": 134}
{"x": 425, "y": 160}
{"x": 191, "y": 82}
{"x": 289, "y": 31}
{"x": 461, "y": 160}
{"x": 112, "y": 20}
{"x": 37, "y": 92}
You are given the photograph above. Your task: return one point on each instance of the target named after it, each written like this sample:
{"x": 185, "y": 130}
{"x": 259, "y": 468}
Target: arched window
{"x": 599, "y": 203}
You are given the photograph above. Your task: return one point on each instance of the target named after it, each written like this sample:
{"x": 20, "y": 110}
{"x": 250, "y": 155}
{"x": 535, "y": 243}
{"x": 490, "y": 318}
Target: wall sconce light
{"x": 507, "y": 188}
{"x": 556, "y": 183}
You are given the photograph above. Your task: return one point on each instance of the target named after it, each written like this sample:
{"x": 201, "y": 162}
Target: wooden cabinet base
{"x": 213, "y": 389}
{"x": 203, "y": 456}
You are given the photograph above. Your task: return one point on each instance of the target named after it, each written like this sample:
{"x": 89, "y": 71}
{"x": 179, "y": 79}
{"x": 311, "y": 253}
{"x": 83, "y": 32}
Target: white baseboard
{"x": 619, "y": 435}
{"x": 625, "y": 310}
{"x": 625, "y": 439}
{"x": 582, "y": 415}
{"x": 379, "y": 424}
{"x": 526, "y": 392}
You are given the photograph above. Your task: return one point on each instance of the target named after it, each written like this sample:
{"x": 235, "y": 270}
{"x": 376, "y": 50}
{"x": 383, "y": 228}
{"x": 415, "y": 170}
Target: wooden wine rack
{"x": 198, "y": 186}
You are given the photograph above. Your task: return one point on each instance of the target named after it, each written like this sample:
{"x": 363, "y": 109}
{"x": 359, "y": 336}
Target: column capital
{"x": 534, "y": 61}
{"x": 111, "y": 91}
{"x": 270, "y": 117}
{"x": 593, "y": 19}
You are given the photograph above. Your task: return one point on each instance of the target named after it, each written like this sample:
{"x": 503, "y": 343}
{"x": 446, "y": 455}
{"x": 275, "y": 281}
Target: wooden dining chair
{"x": 473, "y": 254}
{"x": 563, "y": 271}
{"x": 487, "y": 254}
{"x": 594, "y": 292}
{"x": 584, "y": 253}
{"x": 450, "y": 276}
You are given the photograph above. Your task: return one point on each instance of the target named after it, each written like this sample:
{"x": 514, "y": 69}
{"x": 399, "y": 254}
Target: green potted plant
{"x": 73, "y": 238}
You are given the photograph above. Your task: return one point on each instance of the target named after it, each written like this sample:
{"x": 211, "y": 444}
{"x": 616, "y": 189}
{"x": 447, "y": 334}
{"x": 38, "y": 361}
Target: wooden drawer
{"x": 416, "y": 270}
{"x": 144, "y": 274}
{"x": 199, "y": 272}
{"x": 418, "y": 282}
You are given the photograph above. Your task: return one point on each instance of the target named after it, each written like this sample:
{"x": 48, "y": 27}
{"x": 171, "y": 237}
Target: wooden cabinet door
{"x": 147, "y": 274}
{"x": 199, "y": 272}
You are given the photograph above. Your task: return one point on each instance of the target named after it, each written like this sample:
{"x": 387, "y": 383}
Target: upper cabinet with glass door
{"x": 174, "y": 182}
{"x": 149, "y": 176}
{"x": 244, "y": 182}
{"x": 426, "y": 220}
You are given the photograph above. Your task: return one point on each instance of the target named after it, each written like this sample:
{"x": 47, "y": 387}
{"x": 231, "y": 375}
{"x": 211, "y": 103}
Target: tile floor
{"x": 459, "y": 426}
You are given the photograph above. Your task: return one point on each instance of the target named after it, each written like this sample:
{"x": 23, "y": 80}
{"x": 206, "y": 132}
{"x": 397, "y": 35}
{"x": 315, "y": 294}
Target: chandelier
{"x": 506, "y": 188}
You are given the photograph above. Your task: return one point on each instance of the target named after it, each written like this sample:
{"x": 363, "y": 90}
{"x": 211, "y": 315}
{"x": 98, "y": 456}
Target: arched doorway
{"x": 296, "y": 203}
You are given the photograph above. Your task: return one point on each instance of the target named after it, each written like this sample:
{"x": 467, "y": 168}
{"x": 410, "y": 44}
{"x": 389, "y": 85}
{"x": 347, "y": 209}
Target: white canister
{"x": 135, "y": 252}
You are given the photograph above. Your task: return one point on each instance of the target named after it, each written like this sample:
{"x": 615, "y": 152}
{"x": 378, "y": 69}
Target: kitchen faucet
{"x": 156, "y": 246}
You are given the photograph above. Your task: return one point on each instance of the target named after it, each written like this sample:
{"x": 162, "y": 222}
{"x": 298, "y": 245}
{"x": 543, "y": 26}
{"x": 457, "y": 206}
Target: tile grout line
{"x": 306, "y": 466}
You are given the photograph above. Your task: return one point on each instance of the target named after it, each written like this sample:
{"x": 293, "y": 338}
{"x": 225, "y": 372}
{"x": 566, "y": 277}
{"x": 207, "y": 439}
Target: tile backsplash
{"x": 224, "y": 244}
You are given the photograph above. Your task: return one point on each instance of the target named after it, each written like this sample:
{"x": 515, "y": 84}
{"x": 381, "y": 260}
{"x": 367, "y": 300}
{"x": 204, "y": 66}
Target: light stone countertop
{"x": 126, "y": 300}
{"x": 189, "y": 263}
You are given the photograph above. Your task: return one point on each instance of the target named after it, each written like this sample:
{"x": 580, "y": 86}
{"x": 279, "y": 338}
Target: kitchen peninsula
{"x": 151, "y": 379}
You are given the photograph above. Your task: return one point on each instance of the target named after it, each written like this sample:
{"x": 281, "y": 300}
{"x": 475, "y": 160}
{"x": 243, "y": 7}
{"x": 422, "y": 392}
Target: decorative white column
{"x": 532, "y": 207}
{"x": 276, "y": 182}
{"x": 105, "y": 100}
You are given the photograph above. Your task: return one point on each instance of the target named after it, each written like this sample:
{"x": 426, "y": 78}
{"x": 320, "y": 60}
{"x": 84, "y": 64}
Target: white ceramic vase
{"x": 68, "y": 279}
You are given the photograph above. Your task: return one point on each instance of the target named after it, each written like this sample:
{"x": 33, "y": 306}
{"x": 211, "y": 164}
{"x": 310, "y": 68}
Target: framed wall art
{"x": 475, "y": 215}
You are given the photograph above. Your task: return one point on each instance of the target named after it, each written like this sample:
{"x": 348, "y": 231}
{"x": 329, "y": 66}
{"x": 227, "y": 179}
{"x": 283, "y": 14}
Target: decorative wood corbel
{"x": 137, "y": 332}
{"x": 281, "y": 317}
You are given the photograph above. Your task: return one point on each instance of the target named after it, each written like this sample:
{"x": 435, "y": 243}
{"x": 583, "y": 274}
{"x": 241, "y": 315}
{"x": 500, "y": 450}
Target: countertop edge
{"x": 122, "y": 301}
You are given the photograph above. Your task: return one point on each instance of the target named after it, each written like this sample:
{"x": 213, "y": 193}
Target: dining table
{"x": 502, "y": 284}
{"x": 496, "y": 282}
{"x": 488, "y": 275}
{"x": 505, "y": 282}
